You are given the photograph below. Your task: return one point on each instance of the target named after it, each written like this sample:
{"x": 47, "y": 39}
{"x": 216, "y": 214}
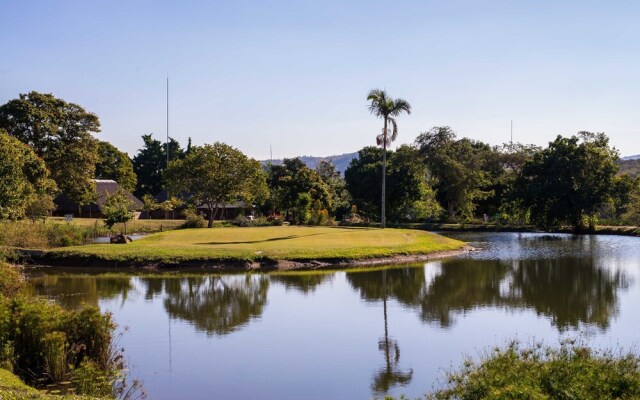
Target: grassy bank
{"x": 12, "y": 388}
{"x": 67, "y": 352}
{"x": 295, "y": 243}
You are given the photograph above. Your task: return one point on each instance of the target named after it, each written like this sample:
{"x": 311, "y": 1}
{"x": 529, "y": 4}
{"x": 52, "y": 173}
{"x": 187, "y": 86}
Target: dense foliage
{"x": 568, "y": 182}
{"x": 149, "y": 163}
{"x": 46, "y": 344}
{"x": 61, "y": 134}
{"x": 216, "y": 175}
{"x": 569, "y": 372}
{"x": 116, "y": 165}
{"x": 25, "y": 186}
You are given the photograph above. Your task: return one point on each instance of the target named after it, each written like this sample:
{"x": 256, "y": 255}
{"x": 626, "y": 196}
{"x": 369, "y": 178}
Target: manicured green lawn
{"x": 275, "y": 243}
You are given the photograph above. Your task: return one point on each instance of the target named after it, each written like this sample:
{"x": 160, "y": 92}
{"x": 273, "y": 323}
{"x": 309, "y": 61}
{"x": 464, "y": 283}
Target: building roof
{"x": 107, "y": 187}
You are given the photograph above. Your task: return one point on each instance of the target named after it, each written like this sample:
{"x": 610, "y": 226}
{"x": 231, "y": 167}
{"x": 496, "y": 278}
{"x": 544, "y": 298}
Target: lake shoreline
{"x": 42, "y": 258}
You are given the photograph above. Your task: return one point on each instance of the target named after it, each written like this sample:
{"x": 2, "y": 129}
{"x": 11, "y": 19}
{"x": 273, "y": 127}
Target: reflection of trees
{"x": 216, "y": 304}
{"x": 570, "y": 291}
{"x": 74, "y": 290}
{"x": 305, "y": 283}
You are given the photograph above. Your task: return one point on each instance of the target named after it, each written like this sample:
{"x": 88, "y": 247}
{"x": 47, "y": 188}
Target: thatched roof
{"x": 107, "y": 187}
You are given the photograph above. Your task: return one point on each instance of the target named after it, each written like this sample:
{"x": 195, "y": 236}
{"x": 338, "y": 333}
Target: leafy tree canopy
{"x": 216, "y": 175}
{"x": 150, "y": 161}
{"x": 115, "y": 164}
{"x": 566, "y": 183}
{"x": 293, "y": 178}
{"x": 460, "y": 169}
{"x": 60, "y": 133}
{"x": 25, "y": 185}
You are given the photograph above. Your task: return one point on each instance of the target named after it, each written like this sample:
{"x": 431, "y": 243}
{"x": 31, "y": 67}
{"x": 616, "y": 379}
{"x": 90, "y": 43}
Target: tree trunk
{"x": 211, "y": 216}
{"x": 383, "y": 216}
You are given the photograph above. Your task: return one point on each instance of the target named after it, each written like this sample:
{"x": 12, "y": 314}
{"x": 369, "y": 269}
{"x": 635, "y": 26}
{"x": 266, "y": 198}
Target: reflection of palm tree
{"x": 390, "y": 375}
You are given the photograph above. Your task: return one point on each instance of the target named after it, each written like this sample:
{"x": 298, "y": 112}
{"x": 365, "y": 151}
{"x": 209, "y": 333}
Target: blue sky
{"x": 295, "y": 74}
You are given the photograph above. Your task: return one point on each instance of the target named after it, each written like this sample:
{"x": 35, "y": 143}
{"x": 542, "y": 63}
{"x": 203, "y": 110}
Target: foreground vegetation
{"x": 66, "y": 352}
{"x": 536, "y": 372}
{"x": 267, "y": 243}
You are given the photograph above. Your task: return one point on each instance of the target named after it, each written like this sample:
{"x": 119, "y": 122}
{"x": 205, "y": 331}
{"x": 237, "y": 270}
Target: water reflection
{"x": 391, "y": 374}
{"x": 569, "y": 291}
{"x": 213, "y": 304}
{"x": 72, "y": 291}
{"x": 304, "y": 282}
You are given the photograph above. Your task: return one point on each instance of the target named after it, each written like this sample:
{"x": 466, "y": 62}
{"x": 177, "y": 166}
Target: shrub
{"x": 193, "y": 220}
{"x": 241, "y": 220}
{"x": 276, "y": 220}
{"x": 570, "y": 372}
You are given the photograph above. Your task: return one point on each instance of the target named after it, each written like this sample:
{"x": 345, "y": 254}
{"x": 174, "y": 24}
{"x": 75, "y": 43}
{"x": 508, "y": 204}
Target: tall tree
{"x": 115, "y": 164}
{"x": 61, "y": 134}
{"x": 150, "y": 161}
{"x": 460, "y": 170}
{"x": 411, "y": 197}
{"x": 24, "y": 179}
{"x": 216, "y": 175}
{"x": 566, "y": 183}
{"x": 290, "y": 180}
{"x": 385, "y": 107}
{"x": 337, "y": 188}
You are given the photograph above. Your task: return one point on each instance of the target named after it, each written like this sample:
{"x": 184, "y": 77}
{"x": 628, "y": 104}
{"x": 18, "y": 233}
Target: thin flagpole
{"x": 167, "y": 121}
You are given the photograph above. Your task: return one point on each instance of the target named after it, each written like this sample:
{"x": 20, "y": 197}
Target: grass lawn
{"x": 275, "y": 243}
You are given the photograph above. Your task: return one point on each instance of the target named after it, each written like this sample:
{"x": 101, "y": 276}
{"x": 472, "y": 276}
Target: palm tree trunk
{"x": 383, "y": 215}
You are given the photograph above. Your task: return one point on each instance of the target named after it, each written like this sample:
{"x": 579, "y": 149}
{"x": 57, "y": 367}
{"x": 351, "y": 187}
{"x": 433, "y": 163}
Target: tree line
{"x": 49, "y": 147}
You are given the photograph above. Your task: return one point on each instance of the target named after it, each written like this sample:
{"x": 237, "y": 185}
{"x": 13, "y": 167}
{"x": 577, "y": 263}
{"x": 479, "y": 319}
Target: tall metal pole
{"x": 511, "y": 133}
{"x": 167, "y": 121}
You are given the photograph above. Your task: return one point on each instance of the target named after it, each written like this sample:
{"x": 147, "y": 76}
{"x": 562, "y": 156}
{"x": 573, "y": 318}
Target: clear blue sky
{"x": 295, "y": 74}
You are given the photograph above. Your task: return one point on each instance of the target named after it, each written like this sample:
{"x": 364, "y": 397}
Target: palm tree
{"x": 387, "y": 108}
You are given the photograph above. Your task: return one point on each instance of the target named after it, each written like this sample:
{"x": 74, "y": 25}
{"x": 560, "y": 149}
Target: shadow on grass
{"x": 264, "y": 240}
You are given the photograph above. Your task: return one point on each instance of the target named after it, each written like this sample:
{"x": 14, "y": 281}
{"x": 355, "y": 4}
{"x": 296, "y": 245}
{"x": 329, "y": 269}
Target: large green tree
{"x": 216, "y": 175}
{"x": 287, "y": 182}
{"x": 410, "y": 195}
{"x": 24, "y": 179}
{"x": 569, "y": 181}
{"x": 459, "y": 168}
{"x": 115, "y": 164}
{"x": 337, "y": 187}
{"x": 151, "y": 161}
{"x": 62, "y": 134}
{"x": 385, "y": 107}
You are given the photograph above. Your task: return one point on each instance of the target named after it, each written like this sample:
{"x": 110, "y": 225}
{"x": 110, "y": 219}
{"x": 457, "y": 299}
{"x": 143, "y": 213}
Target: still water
{"x": 360, "y": 335}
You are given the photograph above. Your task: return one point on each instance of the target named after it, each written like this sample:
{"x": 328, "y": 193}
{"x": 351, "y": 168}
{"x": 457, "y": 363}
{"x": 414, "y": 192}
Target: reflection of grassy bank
{"x": 270, "y": 244}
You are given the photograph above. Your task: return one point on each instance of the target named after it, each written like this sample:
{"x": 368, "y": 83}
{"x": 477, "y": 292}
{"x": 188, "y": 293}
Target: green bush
{"x": 193, "y": 220}
{"x": 572, "y": 371}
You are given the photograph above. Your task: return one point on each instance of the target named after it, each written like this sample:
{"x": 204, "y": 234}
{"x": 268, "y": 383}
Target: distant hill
{"x": 636, "y": 157}
{"x": 340, "y": 161}
{"x": 630, "y": 166}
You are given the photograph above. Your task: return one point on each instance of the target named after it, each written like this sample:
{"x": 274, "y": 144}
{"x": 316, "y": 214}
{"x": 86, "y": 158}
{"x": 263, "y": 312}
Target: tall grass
{"x": 572, "y": 371}
{"x": 39, "y": 235}
{"x": 70, "y": 351}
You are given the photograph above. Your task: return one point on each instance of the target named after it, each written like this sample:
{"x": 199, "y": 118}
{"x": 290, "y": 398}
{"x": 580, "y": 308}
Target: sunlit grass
{"x": 272, "y": 243}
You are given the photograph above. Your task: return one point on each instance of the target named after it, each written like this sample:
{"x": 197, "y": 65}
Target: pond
{"x": 361, "y": 334}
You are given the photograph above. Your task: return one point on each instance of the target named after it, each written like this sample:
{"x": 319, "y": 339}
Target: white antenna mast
{"x": 167, "y": 120}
